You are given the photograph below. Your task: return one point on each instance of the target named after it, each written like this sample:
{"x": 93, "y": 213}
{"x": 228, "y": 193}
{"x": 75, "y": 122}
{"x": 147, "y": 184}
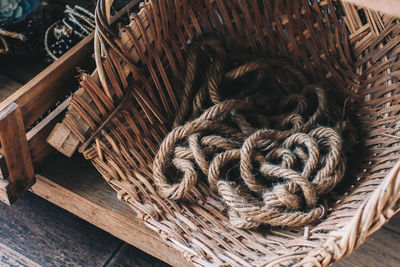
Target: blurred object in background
{"x": 78, "y": 23}
{"x": 24, "y": 25}
{"x": 30, "y": 25}
{"x": 64, "y": 34}
{"x": 12, "y": 12}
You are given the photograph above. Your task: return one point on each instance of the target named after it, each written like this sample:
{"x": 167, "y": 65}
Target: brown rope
{"x": 270, "y": 161}
{"x": 14, "y": 35}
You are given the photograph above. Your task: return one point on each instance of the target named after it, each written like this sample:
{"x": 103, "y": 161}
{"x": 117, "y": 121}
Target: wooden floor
{"x": 35, "y": 232}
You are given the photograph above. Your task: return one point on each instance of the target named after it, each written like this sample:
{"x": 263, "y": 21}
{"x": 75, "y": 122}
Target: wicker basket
{"x": 120, "y": 119}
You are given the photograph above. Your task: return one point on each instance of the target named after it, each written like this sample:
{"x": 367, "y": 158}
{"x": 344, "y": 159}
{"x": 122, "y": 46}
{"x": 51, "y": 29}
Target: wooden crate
{"x": 72, "y": 184}
{"x": 29, "y": 114}
{"x": 28, "y": 162}
{"x": 24, "y": 125}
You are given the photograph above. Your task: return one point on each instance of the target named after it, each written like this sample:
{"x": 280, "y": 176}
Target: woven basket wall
{"x": 120, "y": 119}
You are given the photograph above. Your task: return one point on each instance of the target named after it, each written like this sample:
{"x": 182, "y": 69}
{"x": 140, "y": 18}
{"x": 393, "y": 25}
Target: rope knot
{"x": 284, "y": 196}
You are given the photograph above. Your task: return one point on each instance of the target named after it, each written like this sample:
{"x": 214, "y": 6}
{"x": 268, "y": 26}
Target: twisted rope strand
{"x": 266, "y": 168}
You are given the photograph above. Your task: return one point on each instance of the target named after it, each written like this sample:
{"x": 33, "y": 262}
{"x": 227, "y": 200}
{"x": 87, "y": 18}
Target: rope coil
{"x": 269, "y": 163}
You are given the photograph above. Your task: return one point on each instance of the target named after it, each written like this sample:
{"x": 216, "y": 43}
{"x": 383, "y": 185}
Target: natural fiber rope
{"x": 13, "y": 35}
{"x": 9, "y": 34}
{"x": 267, "y": 168}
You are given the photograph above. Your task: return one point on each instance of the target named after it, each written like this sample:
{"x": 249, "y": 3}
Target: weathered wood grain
{"x": 130, "y": 256}
{"x": 39, "y": 94}
{"x": 38, "y": 146}
{"x": 76, "y": 186}
{"x": 7, "y": 86}
{"x": 50, "y": 236}
{"x": 16, "y": 153}
{"x": 63, "y": 140}
{"x": 10, "y": 257}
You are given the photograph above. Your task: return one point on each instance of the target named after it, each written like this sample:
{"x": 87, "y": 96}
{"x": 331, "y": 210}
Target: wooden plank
{"x": 51, "y": 236}
{"x": 62, "y": 139}
{"x": 7, "y": 86}
{"x": 39, "y": 94}
{"x": 10, "y": 257}
{"x": 130, "y": 256}
{"x": 76, "y": 186}
{"x": 380, "y": 249}
{"x": 16, "y": 153}
{"x": 38, "y": 147}
{"x": 36, "y": 137}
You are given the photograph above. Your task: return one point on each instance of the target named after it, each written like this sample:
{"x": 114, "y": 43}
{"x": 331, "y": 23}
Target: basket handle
{"x": 104, "y": 35}
{"x": 108, "y": 5}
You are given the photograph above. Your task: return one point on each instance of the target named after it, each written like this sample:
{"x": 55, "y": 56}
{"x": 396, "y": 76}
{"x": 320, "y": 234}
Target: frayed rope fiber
{"x": 268, "y": 149}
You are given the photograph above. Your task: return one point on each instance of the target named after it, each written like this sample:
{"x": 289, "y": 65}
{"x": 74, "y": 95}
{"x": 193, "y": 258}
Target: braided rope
{"x": 268, "y": 166}
{"x": 4, "y": 33}
{"x": 4, "y": 49}
{"x": 14, "y": 35}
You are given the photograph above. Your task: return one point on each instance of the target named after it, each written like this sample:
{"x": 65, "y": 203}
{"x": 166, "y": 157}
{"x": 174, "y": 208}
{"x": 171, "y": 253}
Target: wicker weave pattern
{"x": 122, "y": 118}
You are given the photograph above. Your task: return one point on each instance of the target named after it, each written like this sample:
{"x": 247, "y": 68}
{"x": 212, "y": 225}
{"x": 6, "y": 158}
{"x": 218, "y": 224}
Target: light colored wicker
{"x": 121, "y": 119}
{"x": 391, "y": 7}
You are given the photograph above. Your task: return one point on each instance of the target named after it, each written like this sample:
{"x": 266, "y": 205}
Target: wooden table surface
{"x": 34, "y": 232}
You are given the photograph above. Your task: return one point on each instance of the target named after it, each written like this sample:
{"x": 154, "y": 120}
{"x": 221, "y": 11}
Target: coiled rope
{"x": 269, "y": 161}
